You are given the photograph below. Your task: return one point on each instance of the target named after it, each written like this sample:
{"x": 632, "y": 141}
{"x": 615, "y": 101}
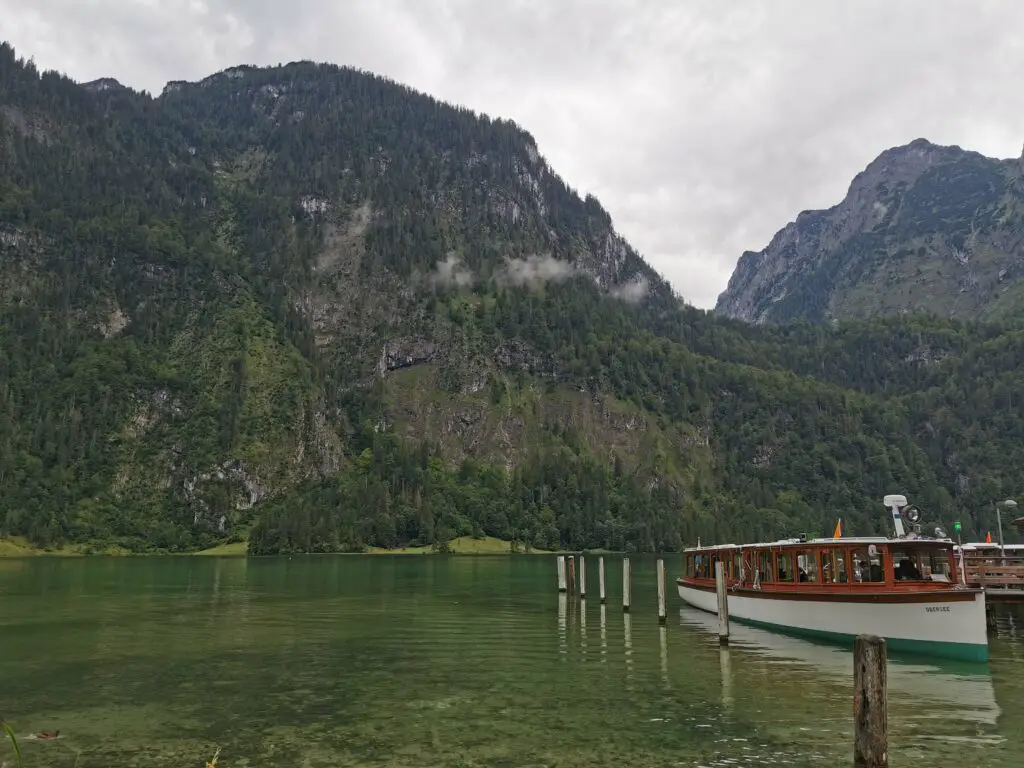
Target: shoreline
{"x": 17, "y": 547}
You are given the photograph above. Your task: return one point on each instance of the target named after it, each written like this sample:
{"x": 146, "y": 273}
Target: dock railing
{"x": 994, "y": 570}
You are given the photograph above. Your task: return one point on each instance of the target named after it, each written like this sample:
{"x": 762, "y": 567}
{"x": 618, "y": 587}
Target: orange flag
{"x": 988, "y": 537}
{"x": 838, "y": 532}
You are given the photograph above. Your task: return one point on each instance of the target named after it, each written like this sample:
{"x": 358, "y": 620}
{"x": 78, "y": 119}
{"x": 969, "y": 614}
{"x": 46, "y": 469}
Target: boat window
{"x": 833, "y": 566}
{"x": 784, "y": 566}
{"x": 737, "y": 565}
{"x": 906, "y": 565}
{"x": 690, "y": 568}
{"x": 926, "y": 564}
{"x": 937, "y": 565}
{"x": 764, "y": 565}
{"x": 703, "y": 564}
{"x": 807, "y": 566}
{"x": 868, "y": 568}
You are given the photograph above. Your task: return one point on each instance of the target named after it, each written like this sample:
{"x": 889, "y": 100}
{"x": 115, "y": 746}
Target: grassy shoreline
{"x": 16, "y": 546}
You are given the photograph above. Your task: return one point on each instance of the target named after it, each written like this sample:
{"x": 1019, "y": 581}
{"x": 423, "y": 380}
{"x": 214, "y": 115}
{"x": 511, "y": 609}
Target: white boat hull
{"x": 951, "y": 628}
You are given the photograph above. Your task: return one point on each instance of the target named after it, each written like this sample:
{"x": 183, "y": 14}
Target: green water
{"x": 432, "y": 661}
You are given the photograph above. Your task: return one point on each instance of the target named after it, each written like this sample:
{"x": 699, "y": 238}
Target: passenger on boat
{"x": 907, "y": 570}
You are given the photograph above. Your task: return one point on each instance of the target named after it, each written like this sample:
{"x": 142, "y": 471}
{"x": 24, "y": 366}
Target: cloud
{"x": 703, "y": 127}
{"x": 632, "y": 292}
{"x": 533, "y": 271}
{"x": 451, "y": 273}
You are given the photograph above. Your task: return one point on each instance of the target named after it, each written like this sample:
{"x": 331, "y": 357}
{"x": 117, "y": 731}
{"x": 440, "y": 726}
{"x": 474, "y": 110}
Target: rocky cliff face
{"x": 923, "y": 228}
{"x": 265, "y": 246}
{"x": 309, "y": 297}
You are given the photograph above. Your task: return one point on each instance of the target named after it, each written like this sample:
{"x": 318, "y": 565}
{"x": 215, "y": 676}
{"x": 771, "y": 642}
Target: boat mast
{"x": 896, "y": 502}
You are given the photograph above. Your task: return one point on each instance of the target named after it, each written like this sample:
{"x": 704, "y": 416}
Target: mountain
{"x": 312, "y": 308}
{"x": 923, "y": 228}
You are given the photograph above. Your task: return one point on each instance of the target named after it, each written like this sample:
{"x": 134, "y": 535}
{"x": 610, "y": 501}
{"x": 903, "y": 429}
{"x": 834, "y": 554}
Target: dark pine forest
{"x": 311, "y": 308}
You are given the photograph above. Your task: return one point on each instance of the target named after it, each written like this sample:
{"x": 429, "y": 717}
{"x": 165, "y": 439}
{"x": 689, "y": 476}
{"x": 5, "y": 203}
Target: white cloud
{"x": 702, "y": 127}
{"x": 534, "y": 271}
{"x": 632, "y": 292}
{"x": 451, "y": 273}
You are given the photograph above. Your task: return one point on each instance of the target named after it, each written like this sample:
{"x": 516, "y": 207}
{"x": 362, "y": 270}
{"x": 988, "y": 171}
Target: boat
{"x": 907, "y": 588}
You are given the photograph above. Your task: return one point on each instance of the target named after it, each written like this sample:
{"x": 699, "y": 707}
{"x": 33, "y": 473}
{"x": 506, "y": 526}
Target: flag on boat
{"x": 838, "y": 532}
{"x": 988, "y": 537}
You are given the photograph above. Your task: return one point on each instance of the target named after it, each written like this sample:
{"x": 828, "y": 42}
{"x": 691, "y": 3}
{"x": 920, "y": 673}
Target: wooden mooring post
{"x": 870, "y": 703}
{"x": 723, "y": 603}
{"x": 571, "y": 560}
{"x": 662, "y": 609}
{"x": 560, "y": 563}
{"x": 626, "y": 590}
{"x": 583, "y": 578}
{"x": 600, "y": 579}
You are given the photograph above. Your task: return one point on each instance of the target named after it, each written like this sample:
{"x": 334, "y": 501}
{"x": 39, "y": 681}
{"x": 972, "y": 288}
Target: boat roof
{"x": 985, "y": 545}
{"x": 794, "y": 542}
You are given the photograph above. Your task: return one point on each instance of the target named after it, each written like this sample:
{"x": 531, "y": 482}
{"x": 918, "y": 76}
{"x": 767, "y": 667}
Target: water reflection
{"x": 1005, "y": 624}
{"x": 725, "y": 664}
{"x": 446, "y": 661}
{"x": 563, "y": 607}
{"x": 663, "y": 643}
{"x": 604, "y": 633}
{"x": 627, "y": 642}
{"x": 969, "y": 690}
{"x": 583, "y": 623}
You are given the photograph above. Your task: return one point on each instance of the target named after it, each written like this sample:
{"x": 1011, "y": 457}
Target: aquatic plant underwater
{"x": 9, "y": 731}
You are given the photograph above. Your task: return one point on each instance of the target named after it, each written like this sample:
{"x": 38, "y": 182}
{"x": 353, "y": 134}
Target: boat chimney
{"x": 896, "y": 502}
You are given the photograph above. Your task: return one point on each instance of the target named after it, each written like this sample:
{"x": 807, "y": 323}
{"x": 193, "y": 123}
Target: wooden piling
{"x": 662, "y": 609}
{"x": 560, "y": 563}
{"x": 600, "y": 579}
{"x": 571, "y": 559}
{"x": 870, "y": 703}
{"x": 723, "y": 604}
{"x": 583, "y": 578}
{"x": 626, "y": 590}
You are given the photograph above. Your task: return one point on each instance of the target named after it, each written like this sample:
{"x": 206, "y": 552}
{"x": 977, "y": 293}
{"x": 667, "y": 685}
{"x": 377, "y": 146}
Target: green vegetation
{"x": 9, "y": 733}
{"x": 232, "y": 549}
{"x": 309, "y": 309}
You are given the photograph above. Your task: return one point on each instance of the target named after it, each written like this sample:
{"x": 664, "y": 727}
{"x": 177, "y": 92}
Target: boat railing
{"x": 994, "y": 570}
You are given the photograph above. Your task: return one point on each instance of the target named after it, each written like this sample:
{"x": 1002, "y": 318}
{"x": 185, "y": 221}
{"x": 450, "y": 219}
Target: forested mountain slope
{"x": 923, "y": 228}
{"x": 311, "y": 306}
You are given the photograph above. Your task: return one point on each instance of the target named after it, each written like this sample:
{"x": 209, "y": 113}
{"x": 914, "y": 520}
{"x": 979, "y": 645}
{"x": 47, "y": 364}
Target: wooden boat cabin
{"x": 828, "y": 565}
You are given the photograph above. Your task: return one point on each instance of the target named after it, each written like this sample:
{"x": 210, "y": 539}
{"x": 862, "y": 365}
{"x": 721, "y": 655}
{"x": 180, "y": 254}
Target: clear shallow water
{"x": 434, "y": 661}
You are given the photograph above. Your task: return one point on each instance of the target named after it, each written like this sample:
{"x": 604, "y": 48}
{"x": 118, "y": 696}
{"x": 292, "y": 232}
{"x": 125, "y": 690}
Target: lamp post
{"x": 1009, "y": 504}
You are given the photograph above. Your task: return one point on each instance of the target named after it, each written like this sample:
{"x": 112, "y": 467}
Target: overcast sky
{"x": 703, "y": 126}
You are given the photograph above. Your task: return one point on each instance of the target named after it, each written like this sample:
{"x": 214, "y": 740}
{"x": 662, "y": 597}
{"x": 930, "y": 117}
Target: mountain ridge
{"x": 923, "y": 228}
{"x": 308, "y": 306}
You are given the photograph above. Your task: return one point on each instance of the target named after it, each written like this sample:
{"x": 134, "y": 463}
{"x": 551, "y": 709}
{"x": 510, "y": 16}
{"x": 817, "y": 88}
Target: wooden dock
{"x": 1001, "y": 576}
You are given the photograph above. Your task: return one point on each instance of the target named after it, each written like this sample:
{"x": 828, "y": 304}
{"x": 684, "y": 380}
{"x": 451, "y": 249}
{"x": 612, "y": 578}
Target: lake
{"x": 445, "y": 661}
